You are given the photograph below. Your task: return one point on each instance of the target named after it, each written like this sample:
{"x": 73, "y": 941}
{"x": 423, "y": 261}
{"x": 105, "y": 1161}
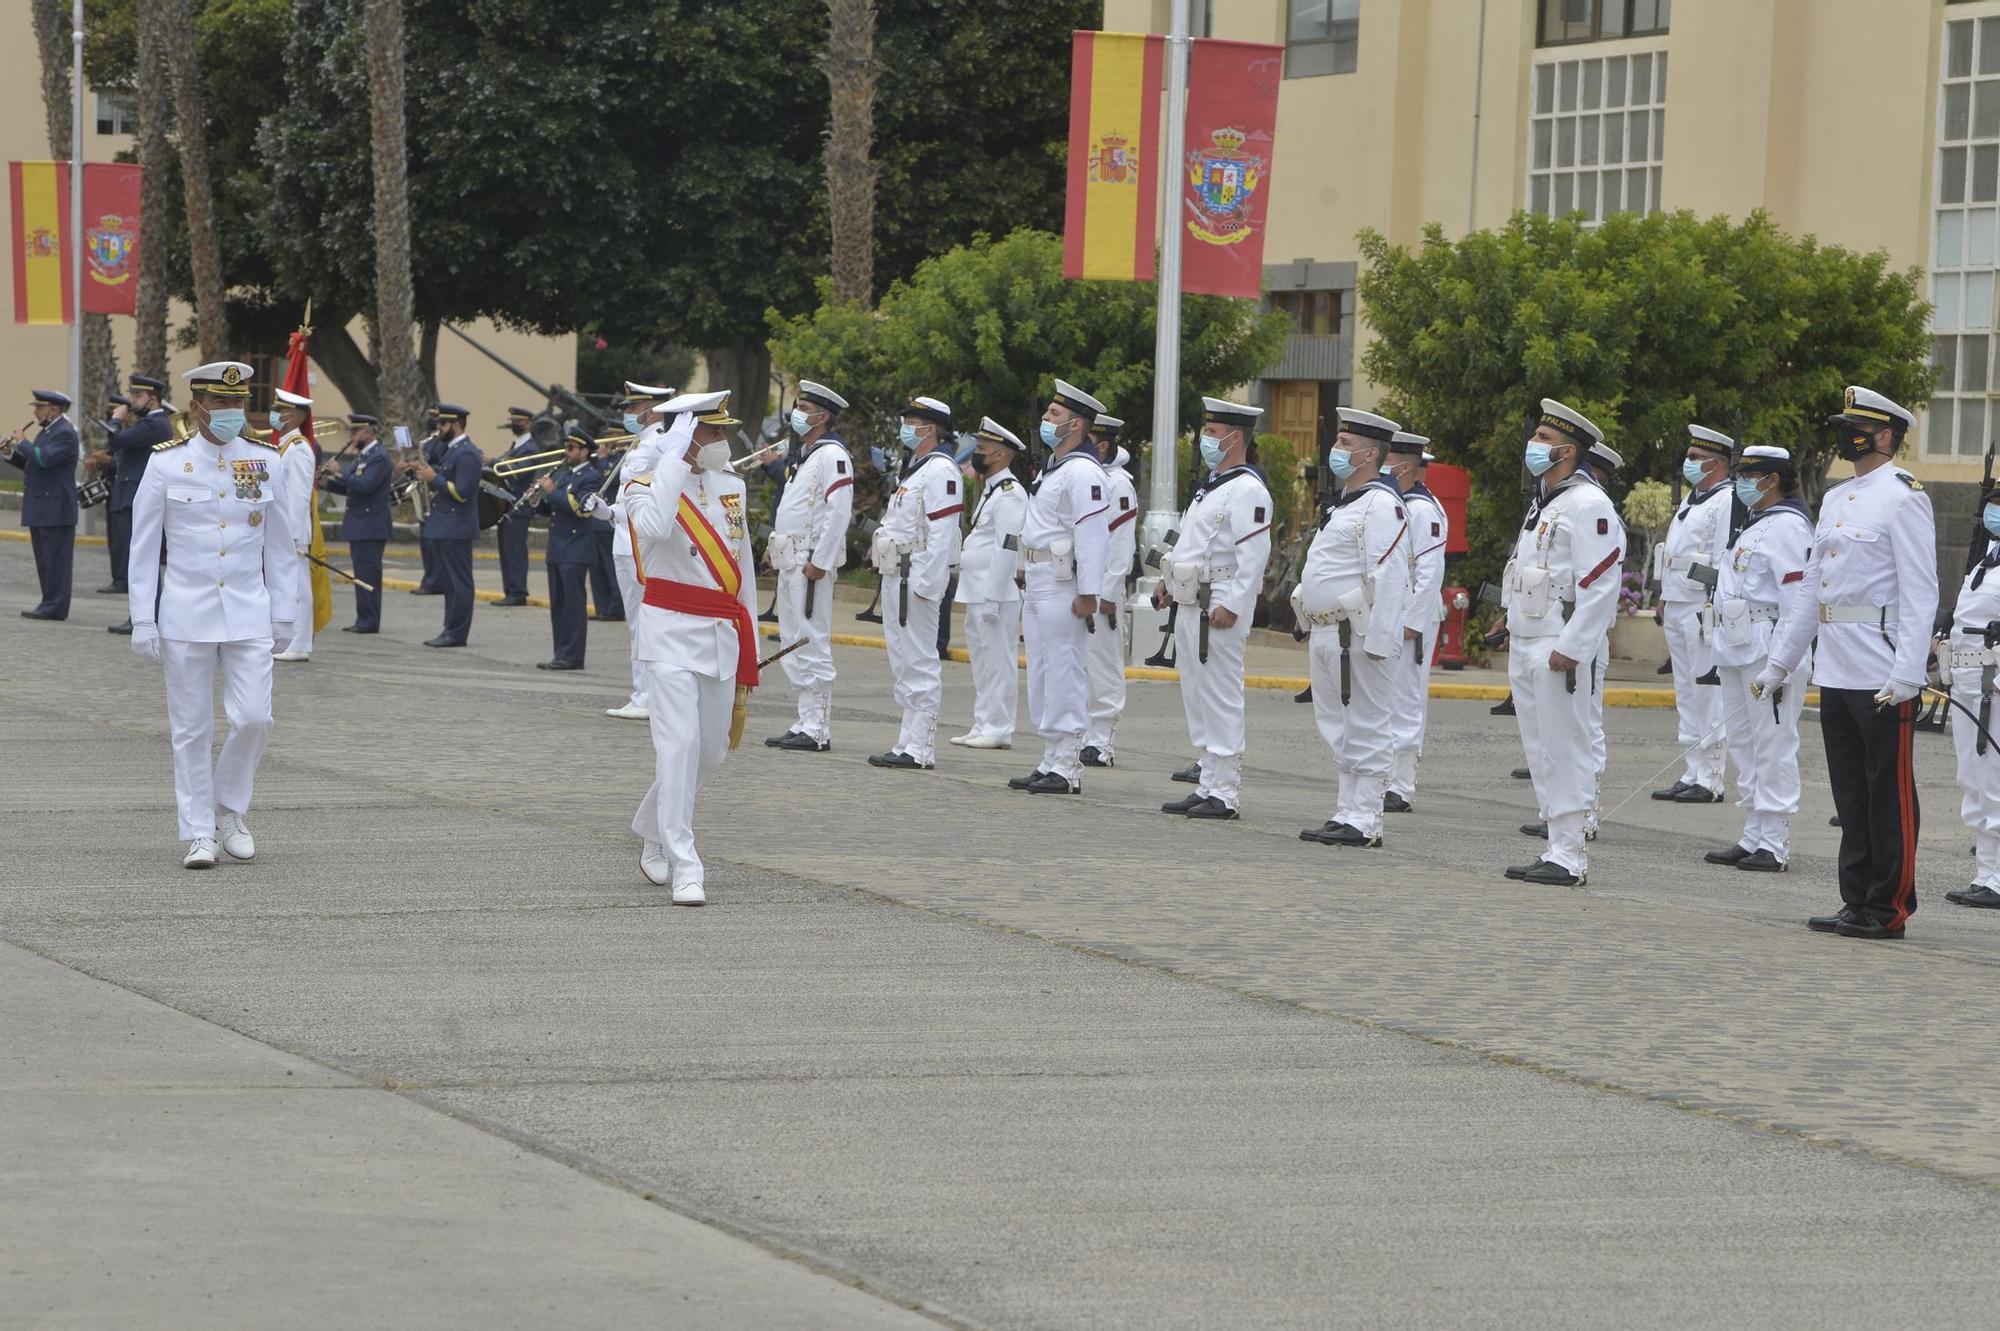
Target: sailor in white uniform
{"x": 1971, "y": 651}
{"x": 807, "y": 548}
{"x": 297, "y": 470}
{"x": 212, "y": 503}
{"x": 1353, "y": 599}
{"x": 989, "y": 567}
{"x": 1064, "y": 541}
{"x": 1106, "y": 651}
{"x": 1696, "y": 539}
{"x": 1423, "y": 613}
{"x": 914, "y": 550}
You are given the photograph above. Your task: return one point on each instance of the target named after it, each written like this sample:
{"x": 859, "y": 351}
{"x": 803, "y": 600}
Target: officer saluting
{"x": 211, "y": 502}
{"x": 1871, "y": 595}
{"x": 142, "y": 422}
{"x": 987, "y": 589}
{"x": 807, "y": 547}
{"x": 1352, "y": 597}
{"x": 513, "y": 534}
{"x": 48, "y": 498}
{"x": 454, "y": 521}
{"x": 1562, "y": 591}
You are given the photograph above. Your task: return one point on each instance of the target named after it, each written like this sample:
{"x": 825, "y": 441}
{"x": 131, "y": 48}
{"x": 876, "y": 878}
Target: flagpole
{"x": 76, "y": 240}
{"x": 1163, "y": 499}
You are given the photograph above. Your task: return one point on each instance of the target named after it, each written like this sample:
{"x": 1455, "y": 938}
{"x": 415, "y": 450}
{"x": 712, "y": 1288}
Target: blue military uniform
{"x": 604, "y": 593}
{"x": 454, "y": 526}
{"x": 365, "y": 525}
{"x": 129, "y": 449}
{"x": 572, "y": 552}
{"x": 430, "y": 584}
{"x": 513, "y": 533}
{"x": 48, "y": 504}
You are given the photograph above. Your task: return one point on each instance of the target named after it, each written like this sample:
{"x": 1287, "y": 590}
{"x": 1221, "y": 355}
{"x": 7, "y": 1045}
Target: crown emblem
{"x": 232, "y": 376}
{"x": 1850, "y": 396}
{"x": 1228, "y": 140}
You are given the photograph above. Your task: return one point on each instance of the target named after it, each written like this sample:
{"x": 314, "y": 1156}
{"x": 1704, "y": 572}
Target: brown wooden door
{"x": 1295, "y": 408}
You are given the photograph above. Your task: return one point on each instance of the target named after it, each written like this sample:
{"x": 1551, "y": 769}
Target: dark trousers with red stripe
{"x": 1875, "y": 794}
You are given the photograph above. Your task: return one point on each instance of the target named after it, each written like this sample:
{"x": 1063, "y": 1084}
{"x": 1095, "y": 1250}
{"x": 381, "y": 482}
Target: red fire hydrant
{"x": 1451, "y": 633}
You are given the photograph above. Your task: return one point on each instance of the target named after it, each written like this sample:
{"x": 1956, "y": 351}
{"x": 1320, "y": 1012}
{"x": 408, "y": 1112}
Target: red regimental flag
{"x": 111, "y": 237}
{"x": 1225, "y": 177}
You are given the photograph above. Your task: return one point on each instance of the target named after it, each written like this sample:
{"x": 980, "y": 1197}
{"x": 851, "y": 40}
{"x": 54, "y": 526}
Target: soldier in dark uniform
{"x": 142, "y": 421}
{"x": 48, "y": 498}
{"x": 454, "y": 525}
{"x": 604, "y": 593}
{"x": 365, "y": 524}
{"x": 430, "y": 583}
{"x": 572, "y": 549}
{"x": 513, "y": 533}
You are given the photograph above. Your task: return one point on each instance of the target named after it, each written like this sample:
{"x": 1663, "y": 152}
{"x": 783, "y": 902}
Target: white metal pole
{"x": 1163, "y": 499}
{"x": 1478, "y": 104}
{"x": 76, "y": 241}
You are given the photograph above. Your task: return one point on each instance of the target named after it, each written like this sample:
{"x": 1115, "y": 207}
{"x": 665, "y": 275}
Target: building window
{"x": 1311, "y": 312}
{"x": 1321, "y": 37}
{"x": 1597, "y": 135}
{"x": 1567, "y": 21}
{"x": 1201, "y": 18}
{"x": 1964, "y": 254}
{"x": 117, "y": 113}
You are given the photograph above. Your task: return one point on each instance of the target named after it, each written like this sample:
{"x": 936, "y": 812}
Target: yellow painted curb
{"x": 406, "y": 585}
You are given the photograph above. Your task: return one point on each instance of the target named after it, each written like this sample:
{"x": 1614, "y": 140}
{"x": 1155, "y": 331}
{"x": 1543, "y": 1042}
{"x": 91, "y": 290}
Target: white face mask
{"x": 713, "y": 457}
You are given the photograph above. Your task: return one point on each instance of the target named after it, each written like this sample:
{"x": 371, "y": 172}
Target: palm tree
{"x": 149, "y": 338}
{"x": 395, "y": 302}
{"x": 851, "y": 75}
{"x": 176, "y": 25}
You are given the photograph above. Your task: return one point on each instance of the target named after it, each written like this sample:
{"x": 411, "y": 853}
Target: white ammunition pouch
{"x": 784, "y": 551}
{"x": 1059, "y": 555}
{"x": 1732, "y": 622}
{"x": 1529, "y": 590}
{"x": 886, "y": 553}
{"x": 1184, "y": 579}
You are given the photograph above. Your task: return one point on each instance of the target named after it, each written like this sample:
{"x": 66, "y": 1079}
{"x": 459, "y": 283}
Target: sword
{"x": 1986, "y": 673}
{"x": 1346, "y": 661}
{"x": 781, "y": 653}
{"x": 1569, "y": 673}
{"x": 812, "y": 585}
{"x": 902, "y": 591}
{"x": 1707, "y": 577}
{"x": 1201, "y": 648}
{"x": 312, "y": 558}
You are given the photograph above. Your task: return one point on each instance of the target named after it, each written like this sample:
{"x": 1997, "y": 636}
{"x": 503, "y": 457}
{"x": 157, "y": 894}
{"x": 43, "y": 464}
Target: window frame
{"x": 1296, "y": 45}
{"x": 124, "y": 101}
{"x": 1614, "y": 140}
{"x": 1597, "y": 33}
{"x": 1969, "y": 339}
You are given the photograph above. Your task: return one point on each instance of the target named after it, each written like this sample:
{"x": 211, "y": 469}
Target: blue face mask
{"x": 631, "y": 423}
{"x": 277, "y": 422}
{"x": 907, "y": 435}
{"x": 225, "y": 423}
{"x": 1691, "y": 471}
{"x": 1340, "y": 462}
{"x": 1211, "y": 452}
{"x": 1540, "y": 458}
{"x": 1050, "y": 438}
{"x": 1991, "y": 517}
{"x": 1747, "y": 491}
{"x": 799, "y": 423}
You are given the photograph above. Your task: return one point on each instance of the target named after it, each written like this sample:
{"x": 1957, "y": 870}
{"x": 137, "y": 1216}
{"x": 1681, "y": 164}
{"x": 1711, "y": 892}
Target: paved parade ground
{"x": 938, "y": 1052}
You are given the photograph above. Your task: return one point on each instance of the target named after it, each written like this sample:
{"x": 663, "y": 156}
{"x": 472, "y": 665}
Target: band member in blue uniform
{"x": 432, "y": 452}
{"x": 142, "y": 422}
{"x": 365, "y": 524}
{"x": 512, "y": 534}
{"x": 48, "y": 498}
{"x": 454, "y": 524}
{"x": 572, "y": 545}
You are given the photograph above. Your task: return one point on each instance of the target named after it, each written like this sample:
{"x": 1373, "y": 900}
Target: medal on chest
{"x": 249, "y": 475}
{"x": 732, "y": 512}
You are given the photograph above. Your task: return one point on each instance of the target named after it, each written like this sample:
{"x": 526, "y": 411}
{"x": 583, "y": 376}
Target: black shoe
{"x": 1191, "y": 774}
{"x": 1023, "y": 782}
{"x": 1522, "y": 774}
{"x": 1672, "y": 792}
{"x": 428, "y": 591}
{"x": 1983, "y": 897}
{"x": 1826, "y": 924}
{"x": 1092, "y": 756}
{"x": 1521, "y": 871}
{"x": 1734, "y": 855}
{"x": 36, "y": 614}
{"x": 112, "y": 589}
{"x": 1505, "y": 707}
{"x": 1553, "y": 875}
{"x": 1539, "y": 831}
{"x": 902, "y": 760}
{"x": 539, "y": 665}
{"x": 1762, "y": 861}
{"x": 1833, "y": 821}
{"x": 797, "y": 741}
{"x": 356, "y": 628}
{"x": 511, "y": 600}
{"x": 1666, "y": 668}
{"x": 609, "y": 619}
{"x": 1051, "y": 783}
{"x": 1315, "y": 833}
{"x": 442, "y": 641}
{"x": 1394, "y": 803}
{"x": 1867, "y": 928}
{"x": 1211, "y": 808}
{"x": 1694, "y": 794}
{"x": 768, "y": 617}
{"x": 1184, "y": 806}
{"x": 123, "y": 629}
{"x": 1341, "y": 834}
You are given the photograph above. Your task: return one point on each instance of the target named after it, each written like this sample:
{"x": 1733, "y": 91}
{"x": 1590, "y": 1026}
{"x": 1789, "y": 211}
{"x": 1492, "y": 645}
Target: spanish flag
{"x": 1114, "y": 155}
{"x": 39, "y": 199}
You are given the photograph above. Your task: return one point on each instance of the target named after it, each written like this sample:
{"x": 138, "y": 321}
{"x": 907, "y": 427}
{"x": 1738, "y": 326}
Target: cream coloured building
{"x": 1395, "y": 113}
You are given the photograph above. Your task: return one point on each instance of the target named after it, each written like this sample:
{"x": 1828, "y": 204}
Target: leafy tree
{"x": 1644, "y": 324}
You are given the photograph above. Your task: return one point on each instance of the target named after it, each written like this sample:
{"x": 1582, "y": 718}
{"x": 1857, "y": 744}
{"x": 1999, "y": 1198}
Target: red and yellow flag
{"x": 39, "y": 198}
{"x": 1113, "y": 198}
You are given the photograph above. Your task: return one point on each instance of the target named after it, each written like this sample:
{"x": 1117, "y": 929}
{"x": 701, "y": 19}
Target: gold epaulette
{"x": 171, "y": 443}
{"x": 645, "y": 480}
{"x": 261, "y": 443}
{"x": 1910, "y": 481}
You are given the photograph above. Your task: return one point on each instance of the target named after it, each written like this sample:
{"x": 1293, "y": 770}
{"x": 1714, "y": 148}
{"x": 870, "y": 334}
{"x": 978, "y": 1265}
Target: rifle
{"x": 1153, "y": 559}
{"x": 1982, "y": 539}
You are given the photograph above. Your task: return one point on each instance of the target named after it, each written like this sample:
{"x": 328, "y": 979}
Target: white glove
{"x": 282, "y": 631}
{"x": 1769, "y": 678}
{"x": 676, "y": 443}
{"x": 1896, "y": 692}
{"x": 146, "y": 641}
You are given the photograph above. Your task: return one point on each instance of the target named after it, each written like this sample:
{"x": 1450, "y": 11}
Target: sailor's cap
{"x": 1604, "y": 455}
{"x": 1766, "y": 458}
{"x": 1570, "y": 421}
{"x": 1071, "y": 398}
{"x": 290, "y": 399}
{"x": 822, "y": 395}
{"x": 1367, "y": 424}
{"x": 1407, "y": 444}
{"x": 1870, "y": 410}
{"x": 1108, "y": 426}
{"x": 223, "y": 378}
{"x": 995, "y": 432}
{"x": 928, "y": 409}
{"x": 1700, "y": 436}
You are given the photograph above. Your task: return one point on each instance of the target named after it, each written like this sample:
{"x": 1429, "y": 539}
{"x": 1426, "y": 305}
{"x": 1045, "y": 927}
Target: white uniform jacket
{"x": 1764, "y": 568}
{"x": 1225, "y": 541}
{"x": 1066, "y": 535}
{"x": 818, "y": 503}
{"x": 986, "y": 566}
{"x": 232, "y": 570}
{"x": 922, "y": 521}
{"x": 1121, "y": 530}
{"x": 1358, "y": 569}
{"x": 1566, "y": 559}
{"x": 666, "y": 551}
{"x": 1870, "y": 587}
{"x": 1429, "y": 530}
{"x": 1698, "y": 534}
{"x": 297, "y": 465}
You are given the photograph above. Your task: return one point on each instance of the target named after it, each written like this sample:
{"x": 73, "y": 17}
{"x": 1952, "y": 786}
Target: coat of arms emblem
{"x": 110, "y": 250}
{"x": 1112, "y": 161}
{"x": 1223, "y": 178}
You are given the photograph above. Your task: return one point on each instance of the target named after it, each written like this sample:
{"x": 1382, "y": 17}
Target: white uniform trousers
{"x": 690, "y": 724}
{"x": 1361, "y": 732}
{"x": 992, "y": 636}
{"x": 1212, "y": 697}
{"x": 205, "y": 781}
{"x": 633, "y": 593}
{"x": 913, "y": 661}
{"x": 1765, "y": 749}
{"x": 1412, "y": 712}
{"x": 302, "y": 627}
{"x": 810, "y": 668}
{"x": 1058, "y": 679}
{"x": 1104, "y": 655}
{"x": 1695, "y": 703}
{"x": 1978, "y": 779}
{"x": 1599, "y": 754}
{"x": 1555, "y": 733}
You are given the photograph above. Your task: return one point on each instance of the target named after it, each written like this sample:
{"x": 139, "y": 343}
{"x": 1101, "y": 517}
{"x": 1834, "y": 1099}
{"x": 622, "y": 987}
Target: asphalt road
{"x": 939, "y": 1052}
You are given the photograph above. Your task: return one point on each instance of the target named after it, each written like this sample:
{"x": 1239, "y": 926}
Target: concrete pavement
{"x": 1009, "y": 1062}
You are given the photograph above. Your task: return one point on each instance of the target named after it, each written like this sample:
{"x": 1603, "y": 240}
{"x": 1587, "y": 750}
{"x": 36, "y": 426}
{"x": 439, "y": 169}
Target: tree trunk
{"x": 335, "y": 351}
{"x": 851, "y": 75}
{"x": 403, "y": 397}
{"x": 746, "y": 372}
{"x": 149, "y": 335}
{"x": 427, "y": 359}
{"x": 197, "y": 177}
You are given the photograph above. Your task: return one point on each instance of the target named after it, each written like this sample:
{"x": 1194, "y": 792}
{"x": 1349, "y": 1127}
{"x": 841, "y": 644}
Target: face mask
{"x": 1692, "y": 471}
{"x": 277, "y": 422}
{"x": 799, "y": 422}
{"x": 1540, "y": 458}
{"x": 907, "y": 435}
{"x": 1211, "y": 452}
{"x": 1050, "y": 438}
{"x": 1747, "y": 491}
{"x": 1854, "y": 447}
{"x": 225, "y": 423}
{"x": 713, "y": 457}
{"x": 1991, "y": 517}
{"x": 1340, "y": 462}
{"x": 631, "y": 423}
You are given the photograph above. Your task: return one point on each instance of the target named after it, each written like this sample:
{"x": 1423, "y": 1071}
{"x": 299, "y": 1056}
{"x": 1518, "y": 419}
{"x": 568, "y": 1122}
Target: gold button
{"x": 1840, "y": 524}
{"x": 220, "y": 583}
{"x": 222, "y": 524}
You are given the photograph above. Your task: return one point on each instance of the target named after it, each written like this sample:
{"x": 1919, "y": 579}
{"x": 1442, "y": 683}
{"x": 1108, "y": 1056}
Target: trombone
{"x": 528, "y": 465}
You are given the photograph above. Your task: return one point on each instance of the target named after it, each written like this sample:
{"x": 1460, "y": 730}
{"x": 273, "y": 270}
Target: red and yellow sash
{"x": 709, "y": 602}
{"x": 708, "y": 543}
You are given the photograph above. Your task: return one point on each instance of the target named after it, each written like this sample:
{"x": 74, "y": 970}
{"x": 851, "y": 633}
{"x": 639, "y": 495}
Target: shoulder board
{"x": 1910, "y": 481}
{"x": 261, "y": 443}
{"x": 170, "y": 443}
{"x": 645, "y": 480}
{"x": 1005, "y": 483}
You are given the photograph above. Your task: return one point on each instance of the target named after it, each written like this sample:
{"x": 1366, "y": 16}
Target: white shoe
{"x": 689, "y": 894}
{"x": 629, "y": 712}
{"x": 653, "y": 862}
{"x": 201, "y": 854}
{"x": 961, "y": 739}
{"x": 235, "y": 836}
{"x": 291, "y": 656}
{"x": 986, "y": 742}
